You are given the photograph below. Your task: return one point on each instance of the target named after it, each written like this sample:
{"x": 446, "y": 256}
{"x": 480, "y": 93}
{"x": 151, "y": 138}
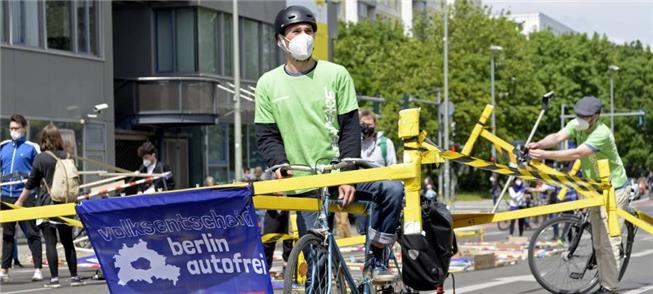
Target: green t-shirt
{"x": 306, "y": 108}
{"x": 601, "y": 141}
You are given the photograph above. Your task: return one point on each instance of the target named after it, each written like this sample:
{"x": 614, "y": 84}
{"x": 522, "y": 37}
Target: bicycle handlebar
{"x": 322, "y": 168}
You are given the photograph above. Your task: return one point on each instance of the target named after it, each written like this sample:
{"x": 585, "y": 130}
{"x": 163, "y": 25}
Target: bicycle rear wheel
{"x": 561, "y": 256}
{"x": 629, "y": 230}
{"x": 307, "y": 269}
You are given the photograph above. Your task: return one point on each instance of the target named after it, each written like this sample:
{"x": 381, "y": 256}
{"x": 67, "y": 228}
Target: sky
{"x": 621, "y": 21}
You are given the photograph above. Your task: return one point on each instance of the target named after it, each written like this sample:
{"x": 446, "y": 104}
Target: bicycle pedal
{"x": 576, "y": 276}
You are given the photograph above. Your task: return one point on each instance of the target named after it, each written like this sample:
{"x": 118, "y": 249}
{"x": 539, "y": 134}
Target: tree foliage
{"x": 385, "y": 62}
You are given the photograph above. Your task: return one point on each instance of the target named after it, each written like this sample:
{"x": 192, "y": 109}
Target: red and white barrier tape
{"x": 122, "y": 186}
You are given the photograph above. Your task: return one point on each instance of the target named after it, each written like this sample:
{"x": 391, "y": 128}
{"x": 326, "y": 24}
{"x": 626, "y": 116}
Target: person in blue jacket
{"x": 16, "y": 158}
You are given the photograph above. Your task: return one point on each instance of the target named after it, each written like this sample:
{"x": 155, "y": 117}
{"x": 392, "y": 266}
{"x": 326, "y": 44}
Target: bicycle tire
{"x": 568, "y": 226}
{"x": 503, "y": 225}
{"x": 630, "y": 240}
{"x": 312, "y": 246}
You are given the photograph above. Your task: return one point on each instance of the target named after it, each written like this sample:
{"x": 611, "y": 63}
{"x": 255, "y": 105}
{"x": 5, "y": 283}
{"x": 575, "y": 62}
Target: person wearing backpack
{"x": 55, "y": 173}
{"x": 375, "y": 147}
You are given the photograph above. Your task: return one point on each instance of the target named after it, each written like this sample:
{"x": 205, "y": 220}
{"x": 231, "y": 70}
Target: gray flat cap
{"x": 588, "y": 105}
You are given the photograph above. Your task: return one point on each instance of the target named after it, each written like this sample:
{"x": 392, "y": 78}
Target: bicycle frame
{"x": 332, "y": 246}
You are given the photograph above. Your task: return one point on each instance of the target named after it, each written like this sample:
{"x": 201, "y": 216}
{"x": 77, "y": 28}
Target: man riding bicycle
{"x": 596, "y": 142}
{"x": 307, "y": 111}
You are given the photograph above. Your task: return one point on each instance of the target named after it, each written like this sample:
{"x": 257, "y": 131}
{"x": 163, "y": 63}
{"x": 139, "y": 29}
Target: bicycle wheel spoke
{"x": 560, "y": 254}
{"x": 308, "y": 269}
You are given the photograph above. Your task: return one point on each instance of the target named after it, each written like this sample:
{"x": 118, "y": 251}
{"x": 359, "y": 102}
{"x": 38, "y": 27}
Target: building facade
{"x": 161, "y": 67}
{"x": 536, "y": 22}
{"x": 172, "y": 62}
{"x": 400, "y": 10}
{"x": 56, "y": 61}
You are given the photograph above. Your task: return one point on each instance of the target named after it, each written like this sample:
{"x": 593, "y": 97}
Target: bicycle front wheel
{"x": 307, "y": 269}
{"x": 561, "y": 256}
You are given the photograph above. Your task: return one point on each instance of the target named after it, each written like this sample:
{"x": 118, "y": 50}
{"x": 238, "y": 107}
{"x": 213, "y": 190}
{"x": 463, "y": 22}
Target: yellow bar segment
{"x": 643, "y": 221}
{"x": 461, "y": 220}
{"x": 394, "y": 172}
{"x": 478, "y": 128}
{"x": 12, "y": 215}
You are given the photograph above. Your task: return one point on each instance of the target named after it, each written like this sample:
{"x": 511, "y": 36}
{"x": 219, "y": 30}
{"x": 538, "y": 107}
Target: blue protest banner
{"x": 193, "y": 241}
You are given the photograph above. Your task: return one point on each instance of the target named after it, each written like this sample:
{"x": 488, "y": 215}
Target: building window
{"x": 250, "y": 49}
{"x": 24, "y": 22}
{"x": 209, "y": 55}
{"x": 86, "y": 27}
{"x": 3, "y": 24}
{"x": 185, "y": 39}
{"x": 164, "y": 53}
{"x": 59, "y": 25}
{"x": 227, "y": 40}
{"x": 175, "y": 31}
{"x": 201, "y": 40}
{"x": 269, "y": 49}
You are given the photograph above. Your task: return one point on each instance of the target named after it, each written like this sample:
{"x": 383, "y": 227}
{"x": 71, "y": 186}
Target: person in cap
{"x": 306, "y": 113}
{"x": 595, "y": 142}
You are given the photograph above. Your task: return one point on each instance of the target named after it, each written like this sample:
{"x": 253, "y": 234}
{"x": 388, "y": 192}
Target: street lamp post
{"x": 238, "y": 137}
{"x": 447, "y": 181}
{"x": 612, "y": 69}
{"x": 493, "y": 48}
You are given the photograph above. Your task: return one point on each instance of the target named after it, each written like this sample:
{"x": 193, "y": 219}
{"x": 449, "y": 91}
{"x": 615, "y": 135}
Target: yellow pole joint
{"x": 609, "y": 200}
{"x": 409, "y": 132}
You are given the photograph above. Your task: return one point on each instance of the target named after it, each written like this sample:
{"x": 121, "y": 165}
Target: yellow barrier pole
{"x": 500, "y": 144}
{"x": 609, "y": 200}
{"x": 478, "y": 128}
{"x": 642, "y": 220}
{"x": 48, "y": 211}
{"x": 409, "y": 132}
{"x": 562, "y": 195}
{"x": 462, "y": 220}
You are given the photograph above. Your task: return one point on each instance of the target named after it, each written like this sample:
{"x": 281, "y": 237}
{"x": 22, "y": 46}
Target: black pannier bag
{"x": 426, "y": 257}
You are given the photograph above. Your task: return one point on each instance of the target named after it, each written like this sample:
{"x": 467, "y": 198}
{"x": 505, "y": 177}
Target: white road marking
{"x": 639, "y": 290}
{"x": 45, "y": 289}
{"x": 496, "y": 282}
{"x": 642, "y": 253}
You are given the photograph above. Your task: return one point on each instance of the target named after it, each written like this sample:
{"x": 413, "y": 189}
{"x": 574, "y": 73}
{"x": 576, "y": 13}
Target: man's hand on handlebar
{"x": 347, "y": 194}
{"x": 534, "y": 145}
{"x": 537, "y": 154}
{"x": 281, "y": 173}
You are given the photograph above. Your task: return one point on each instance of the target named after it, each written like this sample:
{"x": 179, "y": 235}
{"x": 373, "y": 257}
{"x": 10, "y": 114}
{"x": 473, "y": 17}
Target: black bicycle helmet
{"x": 292, "y": 15}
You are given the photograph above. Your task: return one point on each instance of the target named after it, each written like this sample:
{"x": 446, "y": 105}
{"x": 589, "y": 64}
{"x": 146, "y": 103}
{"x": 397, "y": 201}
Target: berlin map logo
{"x": 157, "y": 268}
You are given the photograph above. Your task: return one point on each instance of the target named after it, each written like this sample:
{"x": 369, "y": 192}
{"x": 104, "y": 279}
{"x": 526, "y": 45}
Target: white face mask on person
{"x": 15, "y": 135}
{"x": 147, "y": 163}
{"x": 581, "y": 124}
{"x": 300, "y": 47}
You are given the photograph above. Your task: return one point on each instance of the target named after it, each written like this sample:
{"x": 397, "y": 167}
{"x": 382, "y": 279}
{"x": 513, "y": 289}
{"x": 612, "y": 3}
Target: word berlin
{"x": 131, "y": 229}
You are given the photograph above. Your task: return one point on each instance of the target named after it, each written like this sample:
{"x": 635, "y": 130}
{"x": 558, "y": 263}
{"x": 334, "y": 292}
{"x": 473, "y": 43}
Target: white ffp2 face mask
{"x": 147, "y": 163}
{"x": 581, "y": 124}
{"x": 15, "y": 135}
{"x": 300, "y": 47}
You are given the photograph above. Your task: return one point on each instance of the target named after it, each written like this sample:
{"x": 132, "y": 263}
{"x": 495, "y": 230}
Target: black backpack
{"x": 426, "y": 257}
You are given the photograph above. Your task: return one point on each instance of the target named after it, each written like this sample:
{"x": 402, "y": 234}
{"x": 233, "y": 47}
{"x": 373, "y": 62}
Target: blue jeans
{"x": 388, "y": 196}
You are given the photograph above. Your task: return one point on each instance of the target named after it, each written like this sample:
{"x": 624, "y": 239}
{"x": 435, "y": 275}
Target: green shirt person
{"x": 307, "y": 113}
{"x": 595, "y": 142}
